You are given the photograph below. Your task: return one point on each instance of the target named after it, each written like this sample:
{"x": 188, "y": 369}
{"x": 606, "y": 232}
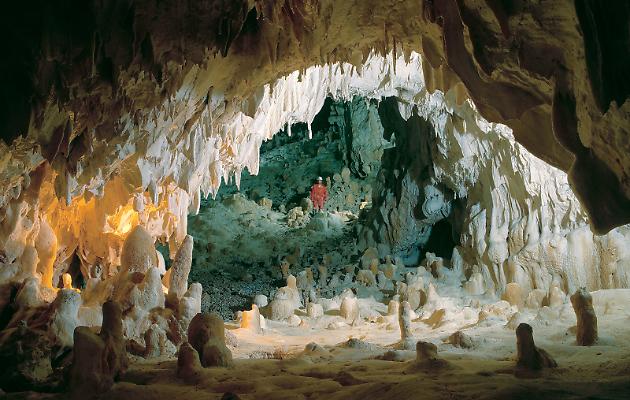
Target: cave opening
{"x": 441, "y": 241}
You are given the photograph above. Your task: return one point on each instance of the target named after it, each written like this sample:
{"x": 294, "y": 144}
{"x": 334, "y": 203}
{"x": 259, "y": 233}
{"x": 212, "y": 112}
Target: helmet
{"x": 319, "y": 178}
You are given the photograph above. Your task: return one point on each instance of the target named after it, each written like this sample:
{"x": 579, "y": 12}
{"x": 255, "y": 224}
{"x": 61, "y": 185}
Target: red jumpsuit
{"x": 319, "y": 195}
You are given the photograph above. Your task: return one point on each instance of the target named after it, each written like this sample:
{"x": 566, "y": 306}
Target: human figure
{"x": 319, "y": 194}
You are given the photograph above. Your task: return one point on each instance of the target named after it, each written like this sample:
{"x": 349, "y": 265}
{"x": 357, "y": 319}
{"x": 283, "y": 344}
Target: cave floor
{"x": 340, "y": 372}
{"x": 275, "y": 364}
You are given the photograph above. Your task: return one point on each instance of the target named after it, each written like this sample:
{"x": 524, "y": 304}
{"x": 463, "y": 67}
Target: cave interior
{"x": 159, "y": 235}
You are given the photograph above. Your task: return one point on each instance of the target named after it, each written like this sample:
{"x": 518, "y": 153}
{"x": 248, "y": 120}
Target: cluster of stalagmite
{"x": 130, "y": 306}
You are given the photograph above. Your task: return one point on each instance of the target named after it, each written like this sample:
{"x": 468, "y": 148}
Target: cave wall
{"x": 515, "y": 218}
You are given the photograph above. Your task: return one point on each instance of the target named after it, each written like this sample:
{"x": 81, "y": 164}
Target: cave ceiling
{"x": 85, "y": 83}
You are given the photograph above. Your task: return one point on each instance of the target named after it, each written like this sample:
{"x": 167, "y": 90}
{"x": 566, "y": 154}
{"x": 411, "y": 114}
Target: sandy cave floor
{"x": 486, "y": 372}
{"x": 274, "y": 365}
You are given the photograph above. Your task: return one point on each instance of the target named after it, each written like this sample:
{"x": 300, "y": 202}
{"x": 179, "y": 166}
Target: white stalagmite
{"x": 180, "y": 269}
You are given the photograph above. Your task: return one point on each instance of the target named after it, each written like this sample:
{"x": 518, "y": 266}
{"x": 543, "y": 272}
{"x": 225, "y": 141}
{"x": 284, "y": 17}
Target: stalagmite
{"x": 138, "y": 252}
{"x": 188, "y": 364}
{"x": 382, "y": 280}
{"x": 180, "y": 269}
{"x": 349, "y": 309}
{"x": 283, "y": 304}
{"x": 366, "y": 277}
{"x": 556, "y": 296}
{"x": 190, "y": 304}
{"x": 407, "y": 341}
{"x": 67, "y": 281}
{"x": 292, "y": 288}
{"x": 28, "y": 261}
{"x": 374, "y": 266}
{"x": 154, "y": 339}
{"x": 251, "y": 320}
{"x": 64, "y": 320}
{"x": 393, "y": 306}
{"x": 323, "y": 275}
{"x": 426, "y": 351}
{"x": 206, "y": 334}
{"x": 390, "y": 268}
{"x": 148, "y": 294}
{"x": 284, "y": 268}
{"x": 310, "y": 280}
{"x": 586, "y": 333}
{"x": 261, "y": 300}
{"x": 475, "y": 284}
{"x": 535, "y": 299}
{"x": 98, "y": 360}
{"x": 427, "y": 357}
{"x": 46, "y": 246}
{"x": 461, "y": 340}
{"x": 29, "y": 294}
{"x": 530, "y": 357}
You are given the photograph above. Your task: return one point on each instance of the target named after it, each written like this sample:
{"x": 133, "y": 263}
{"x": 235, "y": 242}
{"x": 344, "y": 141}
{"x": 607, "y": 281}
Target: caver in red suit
{"x": 319, "y": 194}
